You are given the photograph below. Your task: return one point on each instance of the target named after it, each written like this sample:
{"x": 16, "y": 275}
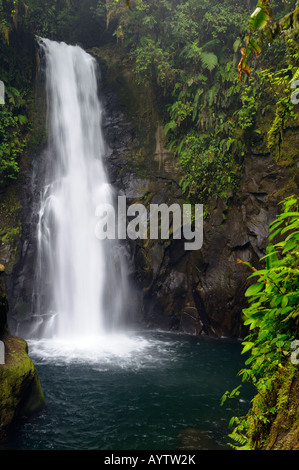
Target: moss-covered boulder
{"x": 273, "y": 421}
{"x": 284, "y": 433}
{"x": 20, "y": 390}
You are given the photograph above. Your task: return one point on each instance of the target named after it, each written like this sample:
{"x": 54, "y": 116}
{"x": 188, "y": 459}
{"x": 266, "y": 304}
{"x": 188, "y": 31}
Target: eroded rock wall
{"x": 199, "y": 292}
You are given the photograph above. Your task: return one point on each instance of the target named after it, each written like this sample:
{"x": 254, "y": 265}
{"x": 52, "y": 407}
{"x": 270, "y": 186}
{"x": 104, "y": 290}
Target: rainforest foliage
{"x": 223, "y": 75}
{"x": 186, "y": 52}
{"x": 273, "y": 320}
{"x": 21, "y": 23}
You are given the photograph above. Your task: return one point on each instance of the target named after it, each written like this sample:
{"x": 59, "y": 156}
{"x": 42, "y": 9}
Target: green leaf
{"x": 290, "y": 245}
{"x": 22, "y": 118}
{"x": 260, "y": 19}
{"x": 291, "y": 227}
{"x": 271, "y": 257}
{"x": 274, "y": 224}
{"x": 255, "y": 46}
{"x": 285, "y": 301}
{"x": 287, "y": 214}
{"x": 231, "y": 421}
{"x": 247, "y": 346}
{"x": 254, "y": 289}
{"x": 274, "y": 234}
{"x": 169, "y": 126}
{"x": 180, "y": 146}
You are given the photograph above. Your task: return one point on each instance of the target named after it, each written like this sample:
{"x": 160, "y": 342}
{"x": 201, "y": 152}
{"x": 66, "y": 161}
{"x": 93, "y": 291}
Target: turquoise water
{"x": 143, "y": 391}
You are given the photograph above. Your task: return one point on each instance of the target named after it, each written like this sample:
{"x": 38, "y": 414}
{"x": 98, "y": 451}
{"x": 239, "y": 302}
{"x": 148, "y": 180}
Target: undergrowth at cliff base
{"x": 273, "y": 321}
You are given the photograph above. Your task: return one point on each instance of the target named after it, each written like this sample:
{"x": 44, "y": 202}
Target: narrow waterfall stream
{"x": 80, "y": 285}
{"x": 106, "y": 386}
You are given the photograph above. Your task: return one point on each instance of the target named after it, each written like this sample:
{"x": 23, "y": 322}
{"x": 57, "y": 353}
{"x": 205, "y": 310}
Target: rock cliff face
{"x": 21, "y": 393}
{"x": 199, "y": 292}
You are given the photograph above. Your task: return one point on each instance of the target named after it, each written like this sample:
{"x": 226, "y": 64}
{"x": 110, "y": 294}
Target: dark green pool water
{"x": 143, "y": 391}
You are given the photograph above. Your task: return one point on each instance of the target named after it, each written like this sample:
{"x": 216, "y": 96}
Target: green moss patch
{"x": 21, "y": 393}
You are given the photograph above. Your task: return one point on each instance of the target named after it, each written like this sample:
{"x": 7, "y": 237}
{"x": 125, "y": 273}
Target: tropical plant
{"x": 273, "y": 321}
{"x": 185, "y": 53}
{"x": 262, "y": 28}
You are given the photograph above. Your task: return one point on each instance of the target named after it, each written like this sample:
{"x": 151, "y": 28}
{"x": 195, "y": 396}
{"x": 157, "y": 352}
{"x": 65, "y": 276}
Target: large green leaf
{"x": 271, "y": 257}
{"x": 254, "y": 289}
{"x": 259, "y": 19}
{"x": 247, "y": 346}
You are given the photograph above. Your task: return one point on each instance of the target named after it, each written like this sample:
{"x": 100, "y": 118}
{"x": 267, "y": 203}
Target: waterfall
{"x": 80, "y": 281}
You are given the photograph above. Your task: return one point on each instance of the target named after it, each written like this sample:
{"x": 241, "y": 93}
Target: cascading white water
{"x": 80, "y": 280}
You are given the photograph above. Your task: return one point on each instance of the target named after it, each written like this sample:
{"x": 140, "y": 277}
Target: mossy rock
{"x": 21, "y": 392}
{"x": 281, "y": 429}
{"x": 284, "y": 433}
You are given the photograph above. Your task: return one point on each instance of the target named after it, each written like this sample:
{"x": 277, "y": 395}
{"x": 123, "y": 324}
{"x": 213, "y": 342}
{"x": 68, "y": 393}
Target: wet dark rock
{"x": 199, "y": 292}
{"x": 21, "y": 393}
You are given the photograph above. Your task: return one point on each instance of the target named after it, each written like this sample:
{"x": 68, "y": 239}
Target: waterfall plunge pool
{"x": 133, "y": 391}
{"x": 139, "y": 391}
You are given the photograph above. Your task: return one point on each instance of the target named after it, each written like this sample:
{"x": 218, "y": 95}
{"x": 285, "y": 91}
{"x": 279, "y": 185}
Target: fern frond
{"x": 209, "y": 60}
